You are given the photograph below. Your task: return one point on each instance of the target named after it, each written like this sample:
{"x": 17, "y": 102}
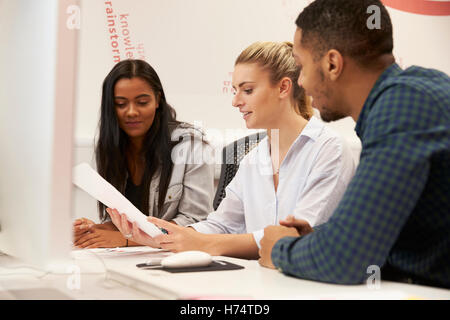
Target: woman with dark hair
{"x": 138, "y": 133}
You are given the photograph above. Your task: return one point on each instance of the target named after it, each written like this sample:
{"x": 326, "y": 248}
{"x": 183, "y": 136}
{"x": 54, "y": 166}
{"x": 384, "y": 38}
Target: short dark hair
{"x": 342, "y": 25}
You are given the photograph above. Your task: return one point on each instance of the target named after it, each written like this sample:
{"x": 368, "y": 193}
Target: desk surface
{"x": 115, "y": 276}
{"x": 255, "y": 282}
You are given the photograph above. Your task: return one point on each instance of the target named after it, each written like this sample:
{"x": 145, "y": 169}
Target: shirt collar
{"x": 392, "y": 70}
{"x": 312, "y": 130}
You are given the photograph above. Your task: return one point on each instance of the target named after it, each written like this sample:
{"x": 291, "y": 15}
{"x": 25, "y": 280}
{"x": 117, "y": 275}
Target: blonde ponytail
{"x": 276, "y": 57}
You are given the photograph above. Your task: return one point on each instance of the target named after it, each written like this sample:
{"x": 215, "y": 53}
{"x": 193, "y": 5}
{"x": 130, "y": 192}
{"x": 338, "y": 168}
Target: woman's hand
{"x": 81, "y": 226}
{"x": 130, "y": 230}
{"x": 180, "y": 238}
{"x": 100, "y": 238}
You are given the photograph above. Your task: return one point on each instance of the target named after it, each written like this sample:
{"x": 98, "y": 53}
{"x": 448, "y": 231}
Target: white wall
{"x": 193, "y": 45}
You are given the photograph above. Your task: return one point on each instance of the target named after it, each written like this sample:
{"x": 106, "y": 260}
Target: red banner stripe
{"x": 424, "y": 7}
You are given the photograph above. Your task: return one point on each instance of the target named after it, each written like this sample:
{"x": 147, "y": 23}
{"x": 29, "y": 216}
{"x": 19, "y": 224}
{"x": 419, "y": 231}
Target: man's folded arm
{"x": 368, "y": 220}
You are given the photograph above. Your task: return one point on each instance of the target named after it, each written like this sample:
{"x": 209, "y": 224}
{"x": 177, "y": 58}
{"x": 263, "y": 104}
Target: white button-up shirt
{"x": 312, "y": 179}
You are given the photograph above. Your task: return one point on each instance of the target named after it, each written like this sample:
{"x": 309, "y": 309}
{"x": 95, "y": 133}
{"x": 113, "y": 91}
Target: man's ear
{"x": 333, "y": 64}
{"x": 285, "y": 86}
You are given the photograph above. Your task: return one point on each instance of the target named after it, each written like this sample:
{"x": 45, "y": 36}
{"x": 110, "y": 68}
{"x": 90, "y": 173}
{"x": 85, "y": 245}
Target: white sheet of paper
{"x": 118, "y": 252}
{"x": 86, "y": 178}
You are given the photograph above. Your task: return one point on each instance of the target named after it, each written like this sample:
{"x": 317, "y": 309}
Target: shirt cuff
{"x": 201, "y": 227}
{"x": 258, "y": 235}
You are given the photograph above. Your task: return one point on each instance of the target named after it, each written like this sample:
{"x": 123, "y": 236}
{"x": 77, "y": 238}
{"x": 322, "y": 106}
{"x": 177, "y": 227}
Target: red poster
{"x": 424, "y": 7}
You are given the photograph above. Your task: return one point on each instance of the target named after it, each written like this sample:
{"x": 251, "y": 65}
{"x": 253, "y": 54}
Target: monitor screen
{"x": 37, "y": 63}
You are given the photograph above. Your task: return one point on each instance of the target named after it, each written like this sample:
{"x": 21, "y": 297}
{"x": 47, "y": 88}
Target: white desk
{"x": 123, "y": 280}
{"x": 255, "y": 282}
{"x": 17, "y": 281}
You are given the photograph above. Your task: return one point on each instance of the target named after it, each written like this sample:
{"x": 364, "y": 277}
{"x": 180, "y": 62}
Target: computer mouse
{"x": 187, "y": 259}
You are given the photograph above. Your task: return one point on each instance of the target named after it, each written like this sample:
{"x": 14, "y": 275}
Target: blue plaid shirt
{"x": 396, "y": 211}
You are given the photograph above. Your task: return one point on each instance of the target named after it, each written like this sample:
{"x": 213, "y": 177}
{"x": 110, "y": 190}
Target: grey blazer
{"x": 190, "y": 194}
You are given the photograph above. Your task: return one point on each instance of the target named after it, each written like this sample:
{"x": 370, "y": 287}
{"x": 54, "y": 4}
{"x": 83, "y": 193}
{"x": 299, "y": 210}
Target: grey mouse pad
{"x": 216, "y": 265}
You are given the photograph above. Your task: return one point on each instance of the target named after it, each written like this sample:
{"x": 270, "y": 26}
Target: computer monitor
{"x": 37, "y": 81}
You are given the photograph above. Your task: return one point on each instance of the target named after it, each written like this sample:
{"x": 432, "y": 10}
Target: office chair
{"x": 232, "y": 155}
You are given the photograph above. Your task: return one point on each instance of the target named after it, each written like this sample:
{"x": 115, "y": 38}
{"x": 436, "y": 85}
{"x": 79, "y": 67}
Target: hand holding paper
{"x": 130, "y": 230}
{"x": 86, "y": 178}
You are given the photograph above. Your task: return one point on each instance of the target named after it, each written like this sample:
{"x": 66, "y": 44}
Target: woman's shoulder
{"x": 332, "y": 142}
{"x": 182, "y": 130}
{"x": 324, "y": 133}
{"x": 189, "y": 145}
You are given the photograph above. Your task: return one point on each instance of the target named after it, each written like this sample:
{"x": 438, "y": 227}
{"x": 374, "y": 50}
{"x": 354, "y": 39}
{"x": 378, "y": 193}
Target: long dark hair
{"x": 112, "y": 145}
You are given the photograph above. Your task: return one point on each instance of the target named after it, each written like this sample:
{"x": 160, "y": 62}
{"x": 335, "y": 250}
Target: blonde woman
{"x": 301, "y": 168}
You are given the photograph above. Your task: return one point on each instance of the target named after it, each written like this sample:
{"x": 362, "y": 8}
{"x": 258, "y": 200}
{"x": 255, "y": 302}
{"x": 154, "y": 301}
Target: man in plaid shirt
{"x": 395, "y": 213}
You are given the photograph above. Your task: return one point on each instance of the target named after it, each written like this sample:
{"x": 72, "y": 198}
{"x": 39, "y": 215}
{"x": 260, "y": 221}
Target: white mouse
{"x": 187, "y": 259}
